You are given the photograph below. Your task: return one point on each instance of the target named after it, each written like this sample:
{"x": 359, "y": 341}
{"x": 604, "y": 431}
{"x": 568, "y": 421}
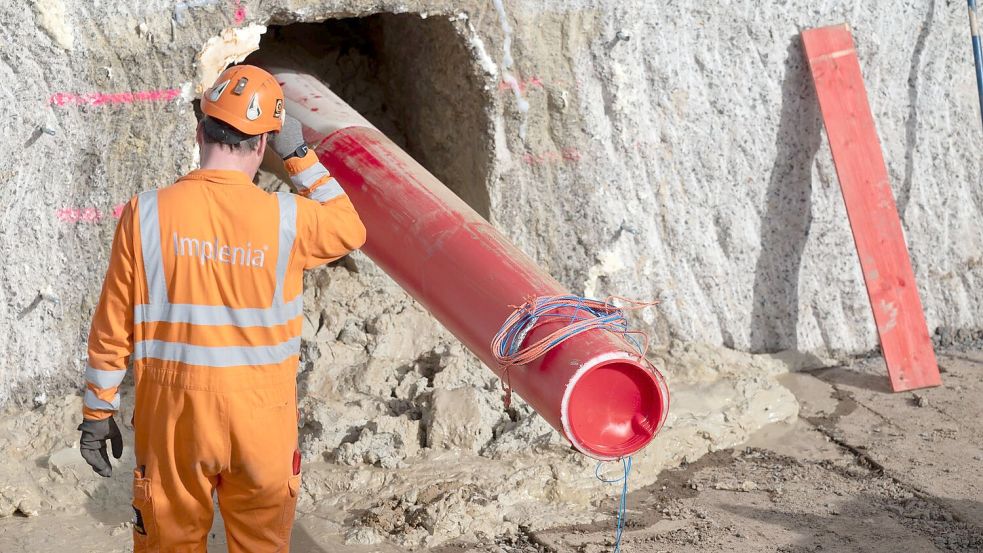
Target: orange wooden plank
{"x": 870, "y": 206}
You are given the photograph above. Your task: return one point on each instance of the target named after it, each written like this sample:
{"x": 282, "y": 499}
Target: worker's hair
{"x": 218, "y": 132}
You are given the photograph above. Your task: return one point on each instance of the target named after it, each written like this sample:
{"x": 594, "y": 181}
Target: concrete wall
{"x": 686, "y": 163}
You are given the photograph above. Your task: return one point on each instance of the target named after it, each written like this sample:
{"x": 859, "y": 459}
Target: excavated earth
{"x": 669, "y": 151}
{"x": 861, "y": 469}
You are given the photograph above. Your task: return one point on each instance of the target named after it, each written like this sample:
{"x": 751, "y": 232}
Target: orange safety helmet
{"x": 246, "y": 98}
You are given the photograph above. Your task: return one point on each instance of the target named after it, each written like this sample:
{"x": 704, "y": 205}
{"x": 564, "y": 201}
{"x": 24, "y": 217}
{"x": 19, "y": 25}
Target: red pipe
{"x": 593, "y": 388}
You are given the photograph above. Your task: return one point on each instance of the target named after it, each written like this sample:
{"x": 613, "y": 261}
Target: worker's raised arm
{"x": 331, "y": 228}
{"x": 111, "y": 335}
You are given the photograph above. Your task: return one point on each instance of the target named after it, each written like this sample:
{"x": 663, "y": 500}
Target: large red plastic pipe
{"x": 593, "y": 388}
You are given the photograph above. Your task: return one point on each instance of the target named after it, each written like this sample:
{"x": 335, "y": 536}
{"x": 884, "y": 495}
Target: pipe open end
{"x": 615, "y": 408}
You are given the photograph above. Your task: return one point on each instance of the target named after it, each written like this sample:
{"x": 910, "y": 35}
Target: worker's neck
{"x": 222, "y": 159}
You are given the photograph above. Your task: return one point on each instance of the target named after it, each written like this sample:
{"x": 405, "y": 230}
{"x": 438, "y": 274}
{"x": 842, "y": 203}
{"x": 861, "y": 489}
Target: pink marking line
{"x": 103, "y": 98}
{"x": 88, "y": 215}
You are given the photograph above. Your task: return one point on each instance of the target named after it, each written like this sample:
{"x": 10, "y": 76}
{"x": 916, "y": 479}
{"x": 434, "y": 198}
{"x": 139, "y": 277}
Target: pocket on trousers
{"x": 145, "y": 537}
{"x": 289, "y": 506}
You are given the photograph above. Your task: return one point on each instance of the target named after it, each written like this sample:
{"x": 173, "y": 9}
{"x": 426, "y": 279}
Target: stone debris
{"x": 455, "y": 420}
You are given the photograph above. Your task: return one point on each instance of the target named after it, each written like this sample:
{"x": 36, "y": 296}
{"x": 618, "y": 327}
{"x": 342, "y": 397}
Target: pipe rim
{"x": 639, "y": 367}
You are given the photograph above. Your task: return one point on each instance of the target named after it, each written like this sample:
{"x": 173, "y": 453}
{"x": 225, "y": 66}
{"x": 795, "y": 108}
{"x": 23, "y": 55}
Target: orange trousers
{"x": 204, "y": 430}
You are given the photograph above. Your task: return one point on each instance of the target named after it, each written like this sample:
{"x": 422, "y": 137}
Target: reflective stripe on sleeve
{"x": 104, "y": 379}
{"x": 218, "y": 356}
{"x": 93, "y": 402}
{"x": 327, "y": 191}
{"x": 220, "y": 315}
{"x": 153, "y": 261}
{"x": 288, "y": 231}
{"x": 306, "y": 178}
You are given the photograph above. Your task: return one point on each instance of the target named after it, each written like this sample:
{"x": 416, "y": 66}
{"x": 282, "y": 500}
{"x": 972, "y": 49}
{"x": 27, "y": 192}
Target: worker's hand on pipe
{"x": 93, "y": 444}
{"x": 289, "y": 139}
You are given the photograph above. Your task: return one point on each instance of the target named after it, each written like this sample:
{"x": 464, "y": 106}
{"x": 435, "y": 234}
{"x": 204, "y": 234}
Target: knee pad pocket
{"x": 145, "y": 537}
{"x": 289, "y": 507}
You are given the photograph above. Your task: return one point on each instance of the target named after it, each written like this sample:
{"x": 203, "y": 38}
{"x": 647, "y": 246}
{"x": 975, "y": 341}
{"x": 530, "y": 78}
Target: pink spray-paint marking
{"x": 103, "y": 98}
{"x": 566, "y": 155}
{"x": 524, "y": 84}
{"x": 240, "y": 12}
{"x": 88, "y": 215}
{"x": 77, "y": 215}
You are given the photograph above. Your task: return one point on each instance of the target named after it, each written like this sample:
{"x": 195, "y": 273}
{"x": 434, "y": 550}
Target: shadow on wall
{"x": 788, "y": 210}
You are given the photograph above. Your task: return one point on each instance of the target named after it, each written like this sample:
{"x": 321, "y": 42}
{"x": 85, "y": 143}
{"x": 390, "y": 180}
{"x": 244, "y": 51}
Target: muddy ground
{"x": 861, "y": 469}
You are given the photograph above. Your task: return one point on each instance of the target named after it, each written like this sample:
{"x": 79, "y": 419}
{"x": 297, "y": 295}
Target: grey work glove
{"x": 93, "y": 444}
{"x": 289, "y": 138}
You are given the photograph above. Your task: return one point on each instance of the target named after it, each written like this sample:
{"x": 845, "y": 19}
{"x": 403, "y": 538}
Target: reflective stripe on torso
{"x": 159, "y": 309}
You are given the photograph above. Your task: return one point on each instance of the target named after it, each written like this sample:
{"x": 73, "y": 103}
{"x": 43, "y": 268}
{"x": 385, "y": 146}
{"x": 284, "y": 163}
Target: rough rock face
{"x": 671, "y": 150}
{"x": 695, "y": 168}
{"x": 456, "y": 420}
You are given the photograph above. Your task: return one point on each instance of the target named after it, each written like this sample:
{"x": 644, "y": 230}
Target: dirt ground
{"x": 862, "y": 469}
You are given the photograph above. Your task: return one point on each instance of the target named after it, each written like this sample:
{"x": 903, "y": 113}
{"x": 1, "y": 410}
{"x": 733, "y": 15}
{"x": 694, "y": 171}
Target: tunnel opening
{"x": 411, "y": 77}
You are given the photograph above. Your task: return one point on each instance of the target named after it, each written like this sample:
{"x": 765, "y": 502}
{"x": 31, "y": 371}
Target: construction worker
{"x": 204, "y": 296}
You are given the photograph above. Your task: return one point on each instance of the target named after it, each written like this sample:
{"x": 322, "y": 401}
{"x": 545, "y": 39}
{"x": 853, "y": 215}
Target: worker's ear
{"x": 199, "y": 138}
{"x": 263, "y": 141}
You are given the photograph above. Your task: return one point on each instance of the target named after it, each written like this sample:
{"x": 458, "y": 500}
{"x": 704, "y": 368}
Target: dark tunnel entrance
{"x": 411, "y": 77}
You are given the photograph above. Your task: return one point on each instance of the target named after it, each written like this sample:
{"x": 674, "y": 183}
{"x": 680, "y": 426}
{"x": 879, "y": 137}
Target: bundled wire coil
{"x": 582, "y": 315}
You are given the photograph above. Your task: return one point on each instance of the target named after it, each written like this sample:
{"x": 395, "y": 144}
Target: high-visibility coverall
{"x": 204, "y": 297}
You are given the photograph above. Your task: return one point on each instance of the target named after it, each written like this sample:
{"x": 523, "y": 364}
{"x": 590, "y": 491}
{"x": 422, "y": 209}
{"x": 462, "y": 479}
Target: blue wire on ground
{"x": 622, "y": 505}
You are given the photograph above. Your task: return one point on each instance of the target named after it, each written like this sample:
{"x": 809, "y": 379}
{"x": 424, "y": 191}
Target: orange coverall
{"x": 204, "y": 295}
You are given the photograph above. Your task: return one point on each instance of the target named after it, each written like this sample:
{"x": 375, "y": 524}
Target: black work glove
{"x": 93, "y": 444}
{"x": 290, "y": 137}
